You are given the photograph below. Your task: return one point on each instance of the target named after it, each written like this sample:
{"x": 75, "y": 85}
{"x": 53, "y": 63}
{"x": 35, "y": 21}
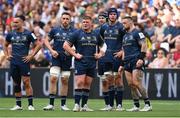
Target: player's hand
{"x": 121, "y": 68}
{"x": 78, "y": 56}
{"x": 28, "y": 58}
{"x": 139, "y": 63}
{"x": 54, "y": 53}
{"x": 8, "y": 57}
{"x": 118, "y": 54}
{"x": 99, "y": 55}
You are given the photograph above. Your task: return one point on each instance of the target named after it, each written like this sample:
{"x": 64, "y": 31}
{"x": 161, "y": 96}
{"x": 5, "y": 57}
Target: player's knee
{"x": 53, "y": 80}
{"x": 55, "y": 71}
{"x": 64, "y": 82}
{"x": 17, "y": 88}
{"x": 130, "y": 84}
{"x": 27, "y": 82}
{"x": 79, "y": 84}
{"x": 105, "y": 83}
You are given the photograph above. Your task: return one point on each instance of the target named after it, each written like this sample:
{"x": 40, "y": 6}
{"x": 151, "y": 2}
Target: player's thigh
{"x": 88, "y": 81}
{"x": 116, "y": 64}
{"x": 79, "y": 80}
{"x": 101, "y": 67}
{"x": 65, "y": 69}
{"x": 15, "y": 74}
{"x": 91, "y": 72}
{"x": 129, "y": 78}
{"x": 25, "y": 69}
{"x": 137, "y": 76}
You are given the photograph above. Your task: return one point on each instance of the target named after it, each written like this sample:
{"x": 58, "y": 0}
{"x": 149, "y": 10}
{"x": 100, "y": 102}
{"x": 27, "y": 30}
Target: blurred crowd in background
{"x": 159, "y": 20}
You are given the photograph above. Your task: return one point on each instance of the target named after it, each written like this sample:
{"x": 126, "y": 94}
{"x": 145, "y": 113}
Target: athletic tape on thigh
{"x": 55, "y": 71}
{"x": 108, "y": 73}
{"x": 102, "y": 77}
{"x": 65, "y": 74}
{"x": 115, "y": 73}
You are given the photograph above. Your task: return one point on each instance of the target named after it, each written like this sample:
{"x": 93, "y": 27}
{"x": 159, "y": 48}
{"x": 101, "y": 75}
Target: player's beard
{"x": 127, "y": 28}
{"x": 65, "y": 25}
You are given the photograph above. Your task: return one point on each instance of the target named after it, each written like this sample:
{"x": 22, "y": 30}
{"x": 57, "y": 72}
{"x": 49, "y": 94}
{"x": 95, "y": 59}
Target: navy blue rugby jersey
{"x": 131, "y": 45}
{"x": 86, "y": 43}
{"x": 113, "y": 36}
{"x": 20, "y": 44}
{"x": 59, "y": 35}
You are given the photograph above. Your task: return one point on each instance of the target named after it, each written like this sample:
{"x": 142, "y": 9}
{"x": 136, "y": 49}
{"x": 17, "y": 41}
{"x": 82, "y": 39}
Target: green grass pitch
{"x": 161, "y": 109}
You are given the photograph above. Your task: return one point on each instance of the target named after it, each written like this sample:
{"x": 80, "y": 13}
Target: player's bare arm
{"x": 28, "y": 58}
{"x": 54, "y": 53}
{"x": 143, "y": 45}
{"x": 70, "y": 50}
{"x": 6, "y": 52}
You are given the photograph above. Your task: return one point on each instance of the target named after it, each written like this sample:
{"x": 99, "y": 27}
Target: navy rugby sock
{"x": 136, "y": 103}
{"x": 18, "y": 101}
{"x": 51, "y": 99}
{"x": 78, "y": 95}
{"x": 63, "y": 100}
{"x": 106, "y": 97}
{"x": 30, "y": 100}
{"x": 111, "y": 95}
{"x": 146, "y": 101}
{"x": 85, "y": 96}
{"x": 119, "y": 95}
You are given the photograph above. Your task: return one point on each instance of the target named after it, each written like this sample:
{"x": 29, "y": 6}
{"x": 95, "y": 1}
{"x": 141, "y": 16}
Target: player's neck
{"x": 112, "y": 23}
{"x": 87, "y": 30}
{"x": 20, "y": 30}
{"x": 131, "y": 28}
{"x": 65, "y": 27}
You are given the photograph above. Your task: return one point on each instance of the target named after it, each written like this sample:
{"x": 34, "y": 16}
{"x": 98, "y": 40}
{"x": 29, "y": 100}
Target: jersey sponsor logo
{"x": 141, "y": 35}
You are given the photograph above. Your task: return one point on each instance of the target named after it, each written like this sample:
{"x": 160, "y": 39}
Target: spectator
{"x": 159, "y": 29}
{"x": 176, "y": 54}
{"x": 160, "y": 61}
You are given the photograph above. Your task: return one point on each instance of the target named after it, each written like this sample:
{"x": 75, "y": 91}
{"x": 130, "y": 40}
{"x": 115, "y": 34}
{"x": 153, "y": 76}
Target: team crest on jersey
{"x": 116, "y": 31}
{"x": 23, "y": 38}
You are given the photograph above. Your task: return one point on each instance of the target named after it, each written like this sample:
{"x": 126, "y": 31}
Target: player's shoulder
{"x": 119, "y": 24}
{"x": 11, "y": 33}
{"x": 26, "y": 31}
{"x": 55, "y": 28}
{"x": 76, "y": 32}
{"x": 138, "y": 33}
{"x": 105, "y": 26}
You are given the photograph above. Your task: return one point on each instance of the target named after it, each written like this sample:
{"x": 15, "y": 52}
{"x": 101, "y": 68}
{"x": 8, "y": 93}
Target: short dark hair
{"x": 128, "y": 17}
{"x": 66, "y": 13}
{"x": 22, "y": 17}
{"x": 86, "y": 18}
